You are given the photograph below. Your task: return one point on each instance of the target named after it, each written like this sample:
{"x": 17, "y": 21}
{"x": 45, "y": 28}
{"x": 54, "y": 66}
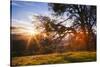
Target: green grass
{"x": 67, "y": 57}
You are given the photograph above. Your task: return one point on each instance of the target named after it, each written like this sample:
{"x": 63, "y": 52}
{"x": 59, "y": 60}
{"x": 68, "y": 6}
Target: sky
{"x": 22, "y": 13}
{"x": 23, "y": 10}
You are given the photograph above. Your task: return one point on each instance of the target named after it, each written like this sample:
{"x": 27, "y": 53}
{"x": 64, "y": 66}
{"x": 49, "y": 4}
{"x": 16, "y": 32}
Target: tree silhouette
{"x": 54, "y": 30}
{"x": 83, "y": 15}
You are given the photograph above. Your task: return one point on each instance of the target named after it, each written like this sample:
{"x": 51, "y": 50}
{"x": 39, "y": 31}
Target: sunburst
{"x": 32, "y": 35}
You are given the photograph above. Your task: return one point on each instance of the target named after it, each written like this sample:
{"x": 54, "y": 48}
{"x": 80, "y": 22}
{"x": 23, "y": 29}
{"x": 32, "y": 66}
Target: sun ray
{"x": 35, "y": 40}
{"x": 28, "y": 42}
{"x": 32, "y": 36}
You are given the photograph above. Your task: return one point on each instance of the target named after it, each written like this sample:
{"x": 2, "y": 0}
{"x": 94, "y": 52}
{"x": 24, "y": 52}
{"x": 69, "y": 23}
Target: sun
{"x": 32, "y": 32}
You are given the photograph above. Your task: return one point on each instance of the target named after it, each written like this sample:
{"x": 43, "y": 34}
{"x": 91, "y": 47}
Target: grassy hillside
{"x": 68, "y": 57}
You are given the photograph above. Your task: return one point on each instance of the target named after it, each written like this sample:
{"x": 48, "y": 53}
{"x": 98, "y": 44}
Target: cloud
{"x": 22, "y": 3}
{"x": 16, "y": 3}
{"x": 19, "y": 25}
{"x": 20, "y": 22}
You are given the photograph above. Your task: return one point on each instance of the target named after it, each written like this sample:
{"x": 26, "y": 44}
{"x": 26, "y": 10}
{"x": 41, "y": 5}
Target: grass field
{"x": 67, "y": 57}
